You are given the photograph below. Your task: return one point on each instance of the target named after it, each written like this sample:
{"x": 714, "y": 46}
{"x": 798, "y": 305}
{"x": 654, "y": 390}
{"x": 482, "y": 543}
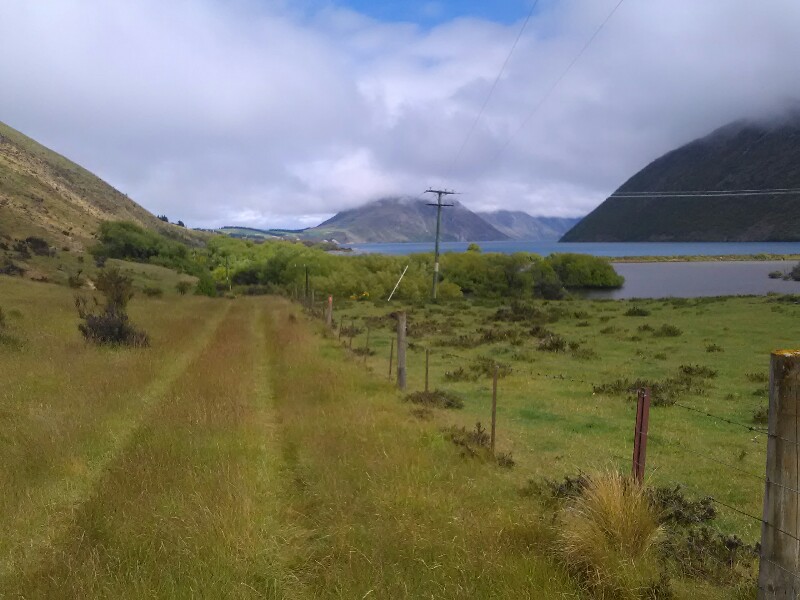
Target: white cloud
{"x": 262, "y": 113}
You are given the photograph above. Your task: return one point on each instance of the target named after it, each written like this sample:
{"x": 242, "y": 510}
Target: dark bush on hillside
{"x": 183, "y": 287}
{"x": 775, "y": 274}
{"x": 2, "y": 319}
{"x": 483, "y": 365}
{"x": 460, "y": 374}
{"x": 11, "y": 268}
{"x": 637, "y": 311}
{"x": 110, "y": 325}
{"x": 38, "y": 246}
{"x": 714, "y": 348}
{"x": 689, "y": 379}
{"x": 76, "y": 280}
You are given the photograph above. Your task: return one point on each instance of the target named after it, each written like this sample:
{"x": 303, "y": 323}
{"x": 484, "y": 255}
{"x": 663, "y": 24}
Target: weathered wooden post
{"x": 329, "y": 313}
{"x": 391, "y": 357}
{"x": 427, "y": 361}
{"x": 494, "y": 404}
{"x": 401, "y": 350}
{"x": 779, "y": 569}
{"x": 312, "y": 303}
{"x": 640, "y": 434}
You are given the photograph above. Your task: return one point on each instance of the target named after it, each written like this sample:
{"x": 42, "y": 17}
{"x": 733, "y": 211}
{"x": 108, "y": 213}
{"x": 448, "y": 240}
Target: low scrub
{"x": 637, "y": 311}
{"x": 688, "y": 379}
{"x": 436, "y": 398}
{"x": 609, "y": 536}
{"x": 460, "y": 374}
{"x": 553, "y": 343}
{"x": 667, "y": 330}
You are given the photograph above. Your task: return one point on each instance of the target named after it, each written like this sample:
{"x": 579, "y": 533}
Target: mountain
{"x": 744, "y": 155}
{"x": 520, "y": 225}
{"x": 44, "y": 195}
{"x": 404, "y": 220}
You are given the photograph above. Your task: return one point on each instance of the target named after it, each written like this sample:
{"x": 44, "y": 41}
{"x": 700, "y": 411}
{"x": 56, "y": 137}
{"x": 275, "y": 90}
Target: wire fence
{"x": 791, "y": 488}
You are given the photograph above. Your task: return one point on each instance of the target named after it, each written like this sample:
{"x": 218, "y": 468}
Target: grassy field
{"x": 245, "y": 454}
{"x": 553, "y": 414}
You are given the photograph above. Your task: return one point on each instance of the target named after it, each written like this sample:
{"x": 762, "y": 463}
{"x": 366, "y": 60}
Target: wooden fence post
{"x": 391, "y": 357}
{"x": 401, "y": 350}
{"x": 312, "y": 303}
{"x": 640, "y": 434}
{"x": 779, "y": 569}
{"x": 494, "y": 404}
{"x": 329, "y": 313}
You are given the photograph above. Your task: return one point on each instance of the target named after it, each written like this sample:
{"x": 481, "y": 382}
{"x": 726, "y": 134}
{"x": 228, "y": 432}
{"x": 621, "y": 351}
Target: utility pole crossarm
{"x": 438, "y": 205}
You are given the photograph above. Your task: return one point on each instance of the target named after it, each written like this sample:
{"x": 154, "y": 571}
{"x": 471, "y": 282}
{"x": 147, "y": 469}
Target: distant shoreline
{"x": 707, "y": 258}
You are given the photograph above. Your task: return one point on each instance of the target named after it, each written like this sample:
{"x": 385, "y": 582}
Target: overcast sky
{"x": 283, "y": 112}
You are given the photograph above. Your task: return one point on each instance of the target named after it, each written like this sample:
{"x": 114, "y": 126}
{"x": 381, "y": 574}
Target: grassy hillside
{"x": 745, "y": 155}
{"x": 44, "y": 194}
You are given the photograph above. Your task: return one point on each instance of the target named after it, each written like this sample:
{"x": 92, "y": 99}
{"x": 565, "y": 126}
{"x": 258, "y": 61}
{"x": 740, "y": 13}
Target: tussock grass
{"x": 609, "y": 535}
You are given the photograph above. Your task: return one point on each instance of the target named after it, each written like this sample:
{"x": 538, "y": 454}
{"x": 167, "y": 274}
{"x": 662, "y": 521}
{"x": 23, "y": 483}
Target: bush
{"x": 2, "y": 319}
{"x": 636, "y": 311}
{"x": 667, "y": 331}
{"x": 795, "y": 272}
{"x": 609, "y": 537}
{"x": 183, "y": 287}
{"x": 115, "y": 286}
{"x": 437, "y": 398}
{"x": 714, "y": 348}
{"x": 553, "y": 343}
{"x": 111, "y": 325}
{"x": 775, "y": 275}
{"x": 76, "y": 280}
{"x": 153, "y": 292}
{"x": 205, "y": 286}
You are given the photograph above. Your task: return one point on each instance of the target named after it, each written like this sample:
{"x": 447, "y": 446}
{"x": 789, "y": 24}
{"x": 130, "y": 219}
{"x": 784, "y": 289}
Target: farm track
{"x": 71, "y": 496}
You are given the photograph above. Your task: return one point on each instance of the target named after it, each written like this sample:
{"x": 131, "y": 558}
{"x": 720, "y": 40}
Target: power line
{"x": 494, "y": 86}
{"x": 439, "y": 206}
{"x": 708, "y": 193}
{"x": 556, "y": 82}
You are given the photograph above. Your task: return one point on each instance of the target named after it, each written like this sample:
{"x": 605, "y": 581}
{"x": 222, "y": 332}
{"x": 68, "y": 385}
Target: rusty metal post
{"x": 401, "y": 350}
{"x": 640, "y": 434}
{"x": 494, "y": 404}
{"x": 779, "y": 569}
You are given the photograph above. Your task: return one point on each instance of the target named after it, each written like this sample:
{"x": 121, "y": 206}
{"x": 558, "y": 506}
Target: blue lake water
{"x": 655, "y": 280}
{"x": 596, "y": 249}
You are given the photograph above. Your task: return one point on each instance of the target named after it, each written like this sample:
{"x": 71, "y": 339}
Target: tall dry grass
{"x": 609, "y": 536}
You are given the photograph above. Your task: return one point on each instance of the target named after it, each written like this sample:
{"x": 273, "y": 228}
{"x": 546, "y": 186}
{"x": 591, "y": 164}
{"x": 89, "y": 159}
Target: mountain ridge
{"x": 743, "y": 155}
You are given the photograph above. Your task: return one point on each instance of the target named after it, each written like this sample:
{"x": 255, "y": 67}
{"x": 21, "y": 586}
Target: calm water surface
{"x": 694, "y": 279}
{"x": 655, "y": 280}
{"x": 611, "y": 250}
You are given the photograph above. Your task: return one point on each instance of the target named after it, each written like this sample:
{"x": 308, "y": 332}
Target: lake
{"x": 655, "y": 280}
{"x": 596, "y": 249}
{"x": 695, "y": 279}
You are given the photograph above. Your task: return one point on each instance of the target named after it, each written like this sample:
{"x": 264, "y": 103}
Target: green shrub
{"x": 153, "y": 292}
{"x": 183, "y": 287}
{"x": 636, "y": 311}
{"x": 437, "y": 398}
{"x": 205, "y": 286}
{"x": 584, "y": 271}
{"x": 667, "y": 330}
{"x": 552, "y": 343}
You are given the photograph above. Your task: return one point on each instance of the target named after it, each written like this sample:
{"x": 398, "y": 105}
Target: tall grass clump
{"x": 609, "y": 537}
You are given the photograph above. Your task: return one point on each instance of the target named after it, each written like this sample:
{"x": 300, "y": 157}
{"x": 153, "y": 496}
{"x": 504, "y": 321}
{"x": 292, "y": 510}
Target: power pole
{"x": 438, "y": 205}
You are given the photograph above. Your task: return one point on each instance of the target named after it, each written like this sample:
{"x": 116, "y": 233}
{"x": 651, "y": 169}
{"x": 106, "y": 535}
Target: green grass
{"x": 553, "y": 422}
{"x": 244, "y": 455}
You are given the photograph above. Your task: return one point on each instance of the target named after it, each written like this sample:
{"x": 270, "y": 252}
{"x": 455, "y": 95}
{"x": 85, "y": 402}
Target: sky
{"x": 280, "y": 113}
